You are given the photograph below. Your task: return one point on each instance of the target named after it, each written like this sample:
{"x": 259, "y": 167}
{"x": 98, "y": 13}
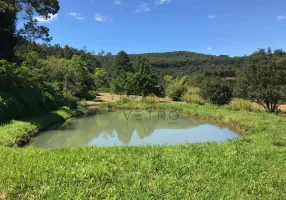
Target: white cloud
{"x": 43, "y": 20}
{"x": 117, "y": 2}
{"x": 143, "y": 7}
{"x": 211, "y": 16}
{"x": 161, "y": 2}
{"x": 76, "y": 15}
{"x": 101, "y": 18}
{"x": 281, "y": 17}
{"x": 209, "y": 48}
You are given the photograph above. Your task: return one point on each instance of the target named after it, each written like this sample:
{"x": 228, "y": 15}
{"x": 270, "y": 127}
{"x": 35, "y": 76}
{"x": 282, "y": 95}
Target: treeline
{"x": 36, "y": 78}
{"x": 188, "y": 63}
{"x": 36, "y": 86}
{"x": 171, "y": 63}
{"x": 262, "y": 80}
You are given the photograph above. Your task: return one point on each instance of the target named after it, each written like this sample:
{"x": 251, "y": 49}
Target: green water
{"x": 134, "y": 128}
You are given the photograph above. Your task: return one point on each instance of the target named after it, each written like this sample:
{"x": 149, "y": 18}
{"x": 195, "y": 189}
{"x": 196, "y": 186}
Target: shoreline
{"x": 251, "y": 163}
{"x": 18, "y": 133}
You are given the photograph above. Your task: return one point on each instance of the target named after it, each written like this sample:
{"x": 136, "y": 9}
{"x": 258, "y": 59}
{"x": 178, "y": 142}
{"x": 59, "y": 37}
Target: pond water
{"x": 131, "y": 128}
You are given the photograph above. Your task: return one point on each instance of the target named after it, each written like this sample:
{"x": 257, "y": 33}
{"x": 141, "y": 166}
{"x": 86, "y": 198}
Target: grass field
{"x": 251, "y": 167}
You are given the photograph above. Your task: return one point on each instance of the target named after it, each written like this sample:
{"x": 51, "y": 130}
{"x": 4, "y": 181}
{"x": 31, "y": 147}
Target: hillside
{"x": 167, "y": 63}
{"x": 185, "y": 63}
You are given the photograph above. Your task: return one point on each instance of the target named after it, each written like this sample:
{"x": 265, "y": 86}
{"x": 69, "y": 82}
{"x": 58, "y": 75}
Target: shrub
{"x": 242, "y": 104}
{"x": 176, "y": 88}
{"x": 90, "y": 95}
{"x": 124, "y": 99}
{"x": 193, "y": 96}
{"x": 216, "y": 91}
{"x": 17, "y": 103}
{"x": 151, "y": 99}
{"x": 71, "y": 101}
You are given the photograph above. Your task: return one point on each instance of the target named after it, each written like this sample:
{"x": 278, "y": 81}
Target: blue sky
{"x": 207, "y": 26}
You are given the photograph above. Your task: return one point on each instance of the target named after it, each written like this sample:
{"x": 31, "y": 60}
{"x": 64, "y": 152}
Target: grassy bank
{"x": 252, "y": 167}
{"x": 18, "y": 132}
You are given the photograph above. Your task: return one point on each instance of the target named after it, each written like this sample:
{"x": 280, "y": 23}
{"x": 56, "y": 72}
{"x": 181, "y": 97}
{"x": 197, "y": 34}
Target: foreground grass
{"x": 18, "y": 132}
{"x": 252, "y": 167}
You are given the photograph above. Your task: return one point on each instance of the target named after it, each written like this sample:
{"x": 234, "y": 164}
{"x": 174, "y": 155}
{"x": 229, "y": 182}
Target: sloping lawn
{"x": 251, "y": 167}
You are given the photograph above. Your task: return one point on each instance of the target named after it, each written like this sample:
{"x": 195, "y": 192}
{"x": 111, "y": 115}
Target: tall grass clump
{"x": 151, "y": 99}
{"x": 193, "y": 96}
{"x": 124, "y": 99}
{"x": 243, "y": 104}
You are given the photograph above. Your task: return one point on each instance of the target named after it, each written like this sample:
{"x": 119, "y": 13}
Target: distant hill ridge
{"x": 177, "y": 63}
{"x": 183, "y": 62}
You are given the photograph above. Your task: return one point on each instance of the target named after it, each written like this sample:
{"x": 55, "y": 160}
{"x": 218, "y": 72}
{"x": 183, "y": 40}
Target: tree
{"x": 263, "y": 79}
{"x": 84, "y": 81}
{"x": 145, "y": 80}
{"x": 13, "y": 10}
{"x": 216, "y": 91}
{"x": 101, "y": 78}
{"x": 122, "y": 63}
{"x": 8, "y": 75}
{"x": 118, "y": 85}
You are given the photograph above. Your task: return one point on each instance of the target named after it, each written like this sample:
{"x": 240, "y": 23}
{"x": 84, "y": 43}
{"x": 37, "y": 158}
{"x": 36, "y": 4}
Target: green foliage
{"x": 17, "y": 103}
{"x": 145, "y": 81}
{"x": 37, "y": 86}
{"x": 216, "y": 91}
{"x": 19, "y": 132}
{"x": 175, "y": 88}
{"x": 70, "y": 77}
{"x": 264, "y": 79}
{"x": 242, "y": 104}
{"x": 118, "y": 85}
{"x": 124, "y": 99}
{"x": 151, "y": 99}
{"x": 183, "y": 63}
{"x": 141, "y": 82}
{"x": 90, "y": 95}
{"x": 101, "y": 79}
{"x": 24, "y": 11}
{"x": 8, "y": 75}
{"x": 122, "y": 63}
{"x": 193, "y": 96}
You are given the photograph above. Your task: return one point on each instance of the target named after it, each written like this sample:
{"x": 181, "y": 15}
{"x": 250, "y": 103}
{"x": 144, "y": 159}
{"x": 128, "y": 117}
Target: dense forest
{"x": 187, "y": 63}
{"x": 170, "y": 63}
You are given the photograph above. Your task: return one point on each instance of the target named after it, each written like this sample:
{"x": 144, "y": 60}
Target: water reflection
{"x": 131, "y": 128}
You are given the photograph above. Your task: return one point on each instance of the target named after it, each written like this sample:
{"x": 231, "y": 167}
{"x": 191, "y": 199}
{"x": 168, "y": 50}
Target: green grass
{"x": 252, "y": 167}
{"x": 18, "y": 132}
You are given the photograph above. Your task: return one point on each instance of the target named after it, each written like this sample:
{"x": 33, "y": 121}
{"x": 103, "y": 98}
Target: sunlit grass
{"x": 17, "y": 132}
{"x": 251, "y": 167}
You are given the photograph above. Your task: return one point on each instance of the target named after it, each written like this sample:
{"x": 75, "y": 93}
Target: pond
{"x": 131, "y": 128}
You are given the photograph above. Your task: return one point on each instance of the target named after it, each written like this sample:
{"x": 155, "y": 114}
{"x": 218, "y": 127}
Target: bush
{"x": 18, "y": 103}
{"x": 242, "y": 104}
{"x": 216, "y": 91}
{"x": 71, "y": 101}
{"x": 176, "y": 88}
{"x": 151, "y": 99}
{"x": 90, "y": 95}
{"x": 193, "y": 96}
{"x": 124, "y": 99}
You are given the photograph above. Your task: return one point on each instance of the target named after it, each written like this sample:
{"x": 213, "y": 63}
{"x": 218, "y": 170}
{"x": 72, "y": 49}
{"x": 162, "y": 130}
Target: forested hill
{"x": 185, "y": 63}
{"x": 170, "y": 63}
